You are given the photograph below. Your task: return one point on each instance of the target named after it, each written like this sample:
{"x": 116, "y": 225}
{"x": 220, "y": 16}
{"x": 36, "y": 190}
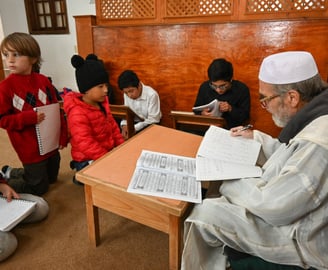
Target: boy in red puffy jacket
{"x": 93, "y": 130}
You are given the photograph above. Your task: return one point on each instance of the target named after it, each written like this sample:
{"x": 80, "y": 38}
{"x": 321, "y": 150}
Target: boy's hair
{"x": 220, "y": 69}
{"x": 128, "y": 78}
{"x": 25, "y": 45}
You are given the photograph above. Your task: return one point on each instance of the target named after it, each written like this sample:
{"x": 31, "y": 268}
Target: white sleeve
{"x": 269, "y": 145}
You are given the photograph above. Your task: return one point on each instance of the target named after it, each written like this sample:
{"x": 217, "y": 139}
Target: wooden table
{"x": 106, "y": 181}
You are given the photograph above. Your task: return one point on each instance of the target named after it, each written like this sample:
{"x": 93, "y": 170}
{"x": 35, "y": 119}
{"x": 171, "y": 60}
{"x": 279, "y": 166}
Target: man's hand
{"x": 240, "y": 131}
{"x": 224, "y": 106}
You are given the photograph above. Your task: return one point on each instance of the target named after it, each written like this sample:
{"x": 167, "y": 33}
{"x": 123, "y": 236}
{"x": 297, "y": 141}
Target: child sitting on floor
{"x": 8, "y": 241}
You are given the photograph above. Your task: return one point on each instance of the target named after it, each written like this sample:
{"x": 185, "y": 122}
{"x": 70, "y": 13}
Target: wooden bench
{"x": 120, "y": 112}
{"x": 183, "y": 120}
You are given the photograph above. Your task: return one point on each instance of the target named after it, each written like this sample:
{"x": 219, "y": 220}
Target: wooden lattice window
{"x": 184, "y": 8}
{"x": 274, "y": 6}
{"x": 127, "y": 9}
{"x": 146, "y": 12}
{"x": 47, "y": 16}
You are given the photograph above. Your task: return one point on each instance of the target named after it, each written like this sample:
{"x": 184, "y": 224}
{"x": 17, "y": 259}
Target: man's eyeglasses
{"x": 264, "y": 101}
{"x": 221, "y": 87}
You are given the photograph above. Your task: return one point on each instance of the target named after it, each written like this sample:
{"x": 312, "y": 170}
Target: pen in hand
{"x": 245, "y": 127}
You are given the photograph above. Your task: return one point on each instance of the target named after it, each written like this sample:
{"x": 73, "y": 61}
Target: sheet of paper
{"x": 221, "y": 156}
{"x": 214, "y": 169}
{"x": 219, "y": 144}
{"x": 213, "y": 107}
{"x": 167, "y": 176}
{"x": 11, "y": 213}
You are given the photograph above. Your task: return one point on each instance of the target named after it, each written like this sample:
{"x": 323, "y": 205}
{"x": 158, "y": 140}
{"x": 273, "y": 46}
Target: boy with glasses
{"x": 233, "y": 96}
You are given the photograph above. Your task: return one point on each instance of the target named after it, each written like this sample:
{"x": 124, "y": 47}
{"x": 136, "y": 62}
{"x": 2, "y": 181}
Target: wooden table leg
{"x": 92, "y": 216}
{"x": 175, "y": 244}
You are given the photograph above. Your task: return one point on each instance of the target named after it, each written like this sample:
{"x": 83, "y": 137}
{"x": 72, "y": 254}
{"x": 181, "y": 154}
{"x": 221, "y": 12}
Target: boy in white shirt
{"x": 141, "y": 99}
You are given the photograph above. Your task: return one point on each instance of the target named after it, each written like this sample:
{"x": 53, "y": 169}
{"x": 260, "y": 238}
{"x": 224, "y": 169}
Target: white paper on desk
{"x": 167, "y": 176}
{"x": 213, "y": 169}
{"x": 219, "y": 144}
{"x": 236, "y": 152}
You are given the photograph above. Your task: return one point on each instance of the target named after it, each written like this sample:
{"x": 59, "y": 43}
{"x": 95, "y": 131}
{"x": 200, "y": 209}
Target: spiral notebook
{"x": 48, "y": 131}
{"x": 13, "y": 212}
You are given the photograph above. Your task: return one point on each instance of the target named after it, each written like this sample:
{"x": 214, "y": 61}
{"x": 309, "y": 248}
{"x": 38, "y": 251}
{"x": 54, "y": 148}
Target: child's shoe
{"x": 77, "y": 182}
{"x": 6, "y": 171}
{"x": 2, "y": 177}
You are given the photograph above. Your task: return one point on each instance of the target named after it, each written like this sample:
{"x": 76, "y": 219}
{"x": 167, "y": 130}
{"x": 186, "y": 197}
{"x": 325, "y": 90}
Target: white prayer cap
{"x": 288, "y": 67}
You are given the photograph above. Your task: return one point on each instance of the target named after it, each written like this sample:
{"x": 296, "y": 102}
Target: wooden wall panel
{"x": 174, "y": 58}
{"x": 84, "y": 34}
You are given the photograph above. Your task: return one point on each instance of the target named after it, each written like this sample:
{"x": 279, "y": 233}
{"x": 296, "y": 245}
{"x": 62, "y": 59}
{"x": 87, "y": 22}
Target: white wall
{"x": 56, "y": 50}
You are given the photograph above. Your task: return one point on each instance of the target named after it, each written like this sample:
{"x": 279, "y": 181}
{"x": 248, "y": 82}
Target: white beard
{"x": 278, "y": 121}
{"x": 281, "y": 118}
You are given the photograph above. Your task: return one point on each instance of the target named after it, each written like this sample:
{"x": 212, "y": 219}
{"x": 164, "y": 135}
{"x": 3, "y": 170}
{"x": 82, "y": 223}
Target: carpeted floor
{"x": 61, "y": 242}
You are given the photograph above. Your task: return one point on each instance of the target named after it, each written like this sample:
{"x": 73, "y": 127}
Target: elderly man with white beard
{"x": 282, "y": 216}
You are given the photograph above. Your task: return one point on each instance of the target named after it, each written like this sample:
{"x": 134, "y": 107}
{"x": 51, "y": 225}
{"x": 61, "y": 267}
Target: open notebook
{"x": 11, "y": 213}
{"x": 221, "y": 156}
{"x": 213, "y": 107}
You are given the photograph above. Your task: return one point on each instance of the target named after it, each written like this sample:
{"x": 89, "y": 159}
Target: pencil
{"x": 246, "y": 127}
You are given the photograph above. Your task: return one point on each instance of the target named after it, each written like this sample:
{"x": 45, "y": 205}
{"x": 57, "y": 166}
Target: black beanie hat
{"x": 89, "y": 72}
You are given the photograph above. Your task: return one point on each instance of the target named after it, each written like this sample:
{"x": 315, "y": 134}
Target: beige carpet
{"x": 61, "y": 241}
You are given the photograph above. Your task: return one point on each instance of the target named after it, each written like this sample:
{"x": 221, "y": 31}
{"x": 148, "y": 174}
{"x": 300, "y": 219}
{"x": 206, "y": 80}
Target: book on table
{"x": 221, "y": 156}
{"x": 213, "y": 107}
{"x": 13, "y": 212}
{"x": 167, "y": 176}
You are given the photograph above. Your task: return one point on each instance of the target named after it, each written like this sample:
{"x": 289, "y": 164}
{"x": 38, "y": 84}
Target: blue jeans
{"x": 79, "y": 165}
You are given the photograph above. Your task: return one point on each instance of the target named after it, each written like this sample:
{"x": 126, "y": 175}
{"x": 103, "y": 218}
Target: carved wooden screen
{"x": 260, "y": 6}
{"x": 116, "y": 12}
{"x": 127, "y": 10}
{"x": 176, "y": 8}
{"x": 285, "y": 9}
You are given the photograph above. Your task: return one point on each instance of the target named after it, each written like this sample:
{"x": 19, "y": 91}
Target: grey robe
{"x": 281, "y": 217}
